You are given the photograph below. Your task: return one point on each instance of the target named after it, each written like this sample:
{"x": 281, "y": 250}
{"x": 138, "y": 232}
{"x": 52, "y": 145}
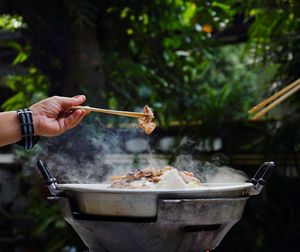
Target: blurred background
{"x": 201, "y": 65}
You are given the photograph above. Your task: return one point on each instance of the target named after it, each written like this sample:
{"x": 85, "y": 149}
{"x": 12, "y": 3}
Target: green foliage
{"x": 221, "y": 88}
{"x": 28, "y": 89}
{"x": 11, "y": 22}
{"x": 274, "y": 41}
{"x": 274, "y": 35}
{"x": 22, "y": 51}
{"x": 169, "y": 61}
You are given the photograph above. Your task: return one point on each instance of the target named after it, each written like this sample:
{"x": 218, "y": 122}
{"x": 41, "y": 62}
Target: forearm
{"x": 50, "y": 117}
{"x": 9, "y": 128}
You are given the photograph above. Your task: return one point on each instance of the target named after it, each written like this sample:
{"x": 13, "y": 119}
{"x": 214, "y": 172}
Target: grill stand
{"x": 181, "y": 225}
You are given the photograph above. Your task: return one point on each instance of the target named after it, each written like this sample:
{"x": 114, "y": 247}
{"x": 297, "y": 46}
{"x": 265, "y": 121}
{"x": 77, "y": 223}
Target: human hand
{"x": 52, "y": 117}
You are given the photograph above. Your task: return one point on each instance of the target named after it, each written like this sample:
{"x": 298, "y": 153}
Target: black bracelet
{"x": 27, "y": 129}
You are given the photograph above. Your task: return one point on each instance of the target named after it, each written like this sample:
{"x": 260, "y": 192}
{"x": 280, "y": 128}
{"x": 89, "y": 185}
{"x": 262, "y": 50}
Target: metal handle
{"x": 50, "y": 181}
{"x": 261, "y": 176}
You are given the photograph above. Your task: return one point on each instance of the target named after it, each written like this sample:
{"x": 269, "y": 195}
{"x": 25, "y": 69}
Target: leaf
{"x": 28, "y": 89}
{"x": 14, "y": 102}
{"x": 112, "y": 103}
{"x": 20, "y": 58}
{"x": 225, "y": 7}
{"x": 188, "y": 14}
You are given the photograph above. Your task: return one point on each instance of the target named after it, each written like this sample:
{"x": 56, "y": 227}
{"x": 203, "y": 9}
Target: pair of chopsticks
{"x": 272, "y": 101}
{"x": 112, "y": 112}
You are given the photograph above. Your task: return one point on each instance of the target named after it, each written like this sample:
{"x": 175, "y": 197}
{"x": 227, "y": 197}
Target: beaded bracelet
{"x": 27, "y": 129}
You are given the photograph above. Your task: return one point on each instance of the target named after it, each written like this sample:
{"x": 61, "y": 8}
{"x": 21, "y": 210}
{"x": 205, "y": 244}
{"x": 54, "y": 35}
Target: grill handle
{"x": 260, "y": 178}
{"x": 50, "y": 181}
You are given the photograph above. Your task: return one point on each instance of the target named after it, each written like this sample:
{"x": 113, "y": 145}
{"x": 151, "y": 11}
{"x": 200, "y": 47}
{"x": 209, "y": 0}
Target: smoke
{"x": 93, "y": 153}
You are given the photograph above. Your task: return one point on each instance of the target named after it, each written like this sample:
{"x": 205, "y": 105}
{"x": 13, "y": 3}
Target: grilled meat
{"x": 151, "y": 178}
{"x": 146, "y": 122}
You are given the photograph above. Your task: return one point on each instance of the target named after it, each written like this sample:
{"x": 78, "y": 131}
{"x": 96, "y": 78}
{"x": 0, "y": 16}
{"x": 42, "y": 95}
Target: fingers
{"x": 67, "y": 102}
{"x": 72, "y": 120}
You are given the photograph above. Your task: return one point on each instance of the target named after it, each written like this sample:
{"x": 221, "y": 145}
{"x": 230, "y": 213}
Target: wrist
{"x": 35, "y": 122}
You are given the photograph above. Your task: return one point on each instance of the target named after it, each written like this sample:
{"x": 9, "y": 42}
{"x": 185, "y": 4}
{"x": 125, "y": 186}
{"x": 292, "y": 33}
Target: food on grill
{"x": 151, "y": 178}
{"x": 146, "y": 122}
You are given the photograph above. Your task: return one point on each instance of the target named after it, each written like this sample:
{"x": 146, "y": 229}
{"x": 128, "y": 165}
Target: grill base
{"x": 180, "y": 225}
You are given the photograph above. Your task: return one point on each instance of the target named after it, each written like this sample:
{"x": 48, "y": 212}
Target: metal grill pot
{"x": 97, "y": 199}
{"x": 153, "y": 220}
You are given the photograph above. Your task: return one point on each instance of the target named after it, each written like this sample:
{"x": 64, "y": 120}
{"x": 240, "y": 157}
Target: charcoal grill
{"x": 180, "y": 220}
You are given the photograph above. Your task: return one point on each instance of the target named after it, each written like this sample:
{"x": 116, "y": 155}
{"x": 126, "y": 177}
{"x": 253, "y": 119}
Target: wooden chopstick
{"x": 112, "y": 112}
{"x": 274, "y": 96}
{"x": 285, "y": 92}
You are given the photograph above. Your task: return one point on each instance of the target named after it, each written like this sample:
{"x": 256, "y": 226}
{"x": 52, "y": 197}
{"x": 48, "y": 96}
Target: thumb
{"x": 67, "y": 102}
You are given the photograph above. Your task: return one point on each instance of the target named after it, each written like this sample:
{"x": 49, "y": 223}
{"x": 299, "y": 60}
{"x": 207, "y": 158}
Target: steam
{"x": 94, "y": 153}
{"x": 209, "y": 172}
